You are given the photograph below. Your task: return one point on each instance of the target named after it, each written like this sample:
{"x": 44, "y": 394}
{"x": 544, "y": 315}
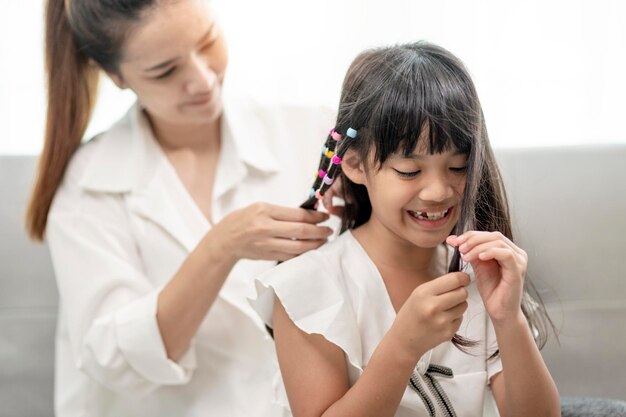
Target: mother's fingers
{"x": 288, "y": 214}
{"x": 297, "y": 231}
{"x": 335, "y": 210}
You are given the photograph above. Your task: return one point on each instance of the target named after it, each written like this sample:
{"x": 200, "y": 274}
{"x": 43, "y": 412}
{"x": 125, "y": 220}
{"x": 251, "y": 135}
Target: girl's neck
{"x": 402, "y": 265}
{"x": 198, "y": 139}
{"x": 396, "y": 257}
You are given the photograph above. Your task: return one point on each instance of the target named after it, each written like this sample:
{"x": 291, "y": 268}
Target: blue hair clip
{"x": 351, "y": 132}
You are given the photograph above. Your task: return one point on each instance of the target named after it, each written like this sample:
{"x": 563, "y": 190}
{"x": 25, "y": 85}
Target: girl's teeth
{"x": 430, "y": 216}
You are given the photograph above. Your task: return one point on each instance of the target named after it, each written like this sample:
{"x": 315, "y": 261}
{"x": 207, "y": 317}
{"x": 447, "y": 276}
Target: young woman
{"x": 153, "y": 226}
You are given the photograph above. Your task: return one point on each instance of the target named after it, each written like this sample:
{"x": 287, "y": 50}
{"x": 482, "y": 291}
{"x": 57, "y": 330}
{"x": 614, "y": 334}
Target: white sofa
{"x": 28, "y": 301}
{"x": 569, "y": 206}
{"x": 570, "y": 210}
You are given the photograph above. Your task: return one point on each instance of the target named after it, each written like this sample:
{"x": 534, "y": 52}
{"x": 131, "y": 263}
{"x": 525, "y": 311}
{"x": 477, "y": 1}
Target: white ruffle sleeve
{"x": 314, "y": 300}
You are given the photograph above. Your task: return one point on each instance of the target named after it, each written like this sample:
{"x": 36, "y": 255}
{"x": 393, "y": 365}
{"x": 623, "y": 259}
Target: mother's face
{"x": 174, "y": 60}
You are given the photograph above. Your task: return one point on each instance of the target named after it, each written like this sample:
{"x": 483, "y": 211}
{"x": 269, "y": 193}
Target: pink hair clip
{"x": 334, "y": 135}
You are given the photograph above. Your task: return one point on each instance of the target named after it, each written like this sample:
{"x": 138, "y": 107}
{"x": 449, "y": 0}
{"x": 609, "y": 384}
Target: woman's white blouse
{"x": 337, "y": 291}
{"x": 119, "y": 228}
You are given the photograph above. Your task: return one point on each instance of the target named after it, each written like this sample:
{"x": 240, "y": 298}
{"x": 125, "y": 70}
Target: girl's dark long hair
{"x": 395, "y": 95}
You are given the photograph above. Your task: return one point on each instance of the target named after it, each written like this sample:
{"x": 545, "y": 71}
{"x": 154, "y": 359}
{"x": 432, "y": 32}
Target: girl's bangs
{"x": 414, "y": 106}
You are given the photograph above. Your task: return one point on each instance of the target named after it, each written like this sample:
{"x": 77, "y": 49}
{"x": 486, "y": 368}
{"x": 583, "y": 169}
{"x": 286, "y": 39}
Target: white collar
{"x": 127, "y": 154}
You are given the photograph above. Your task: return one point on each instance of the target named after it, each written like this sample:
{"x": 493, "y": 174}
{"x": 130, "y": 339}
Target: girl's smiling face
{"x": 416, "y": 198}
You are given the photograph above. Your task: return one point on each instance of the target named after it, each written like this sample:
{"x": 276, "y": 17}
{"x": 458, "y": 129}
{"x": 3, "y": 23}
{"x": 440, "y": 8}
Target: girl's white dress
{"x": 337, "y": 291}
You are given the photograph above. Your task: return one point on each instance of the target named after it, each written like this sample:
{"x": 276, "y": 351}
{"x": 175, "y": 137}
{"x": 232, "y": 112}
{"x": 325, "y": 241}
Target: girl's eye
{"x": 459, "y": 170}
{"x": 406, "y": 174}
{"x": 165, "y": 74}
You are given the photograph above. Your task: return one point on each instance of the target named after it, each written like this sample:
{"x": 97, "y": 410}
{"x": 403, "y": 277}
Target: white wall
{"x": 549, "y": 72}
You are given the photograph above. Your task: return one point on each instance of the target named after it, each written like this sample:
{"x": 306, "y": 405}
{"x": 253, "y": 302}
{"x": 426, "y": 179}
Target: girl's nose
{"x": 436, "y": 189}
{"x": 202, "y": 78}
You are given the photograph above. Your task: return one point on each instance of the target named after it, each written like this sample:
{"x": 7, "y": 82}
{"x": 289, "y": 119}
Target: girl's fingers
{"x": 453, "y": 240}
{"x": 505, "y": 256}
{"x": 470, "y": 239}
{"x": 452, "y": 298}
{"x": 501, "y": 255}
{"x": 473, "y": 238}
{"x": 446, "y": 283}
{"x": 472, "y": 254}
{"x": 457, "y": 311}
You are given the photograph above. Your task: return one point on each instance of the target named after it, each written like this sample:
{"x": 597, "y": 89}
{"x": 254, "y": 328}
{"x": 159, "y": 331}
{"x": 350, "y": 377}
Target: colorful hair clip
{"x": 329, "y": 166}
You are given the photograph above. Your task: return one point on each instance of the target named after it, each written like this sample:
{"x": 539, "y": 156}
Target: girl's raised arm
{"x": 524, "y": 387}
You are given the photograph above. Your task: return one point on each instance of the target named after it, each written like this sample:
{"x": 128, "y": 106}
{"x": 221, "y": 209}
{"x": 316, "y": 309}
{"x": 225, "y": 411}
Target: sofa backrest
{"x": 569, "y": 206}
{"x": 28, "y": 301}
{"x": 569, "y": 209}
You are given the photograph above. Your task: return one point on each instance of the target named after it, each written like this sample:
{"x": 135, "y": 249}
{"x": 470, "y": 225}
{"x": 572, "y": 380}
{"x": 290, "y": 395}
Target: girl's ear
{"x": 353, "y": 168}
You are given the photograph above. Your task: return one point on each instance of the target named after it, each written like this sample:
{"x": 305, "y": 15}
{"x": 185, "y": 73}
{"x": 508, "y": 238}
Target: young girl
{"x": 363, "y": 325}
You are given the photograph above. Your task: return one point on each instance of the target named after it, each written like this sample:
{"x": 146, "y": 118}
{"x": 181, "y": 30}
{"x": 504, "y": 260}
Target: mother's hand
{"x": 270, "y": 232}
{"x": 335, "y": 191}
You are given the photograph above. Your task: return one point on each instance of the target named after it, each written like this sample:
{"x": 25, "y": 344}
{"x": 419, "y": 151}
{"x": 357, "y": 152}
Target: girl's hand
{"x": 500, "y": 268}
{"x": 432, "y": 314}
{"x": 266, "y": 231}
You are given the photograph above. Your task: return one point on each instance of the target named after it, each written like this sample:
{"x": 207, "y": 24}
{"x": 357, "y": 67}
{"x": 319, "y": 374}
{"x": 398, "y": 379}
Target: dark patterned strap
{"x": 443, "y": 402}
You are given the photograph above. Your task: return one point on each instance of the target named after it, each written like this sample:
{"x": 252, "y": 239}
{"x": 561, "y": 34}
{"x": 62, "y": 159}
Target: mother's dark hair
{"x": 81, "y": 37}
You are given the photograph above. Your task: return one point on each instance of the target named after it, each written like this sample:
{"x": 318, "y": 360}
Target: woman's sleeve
{"x": 108, "y": 305}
